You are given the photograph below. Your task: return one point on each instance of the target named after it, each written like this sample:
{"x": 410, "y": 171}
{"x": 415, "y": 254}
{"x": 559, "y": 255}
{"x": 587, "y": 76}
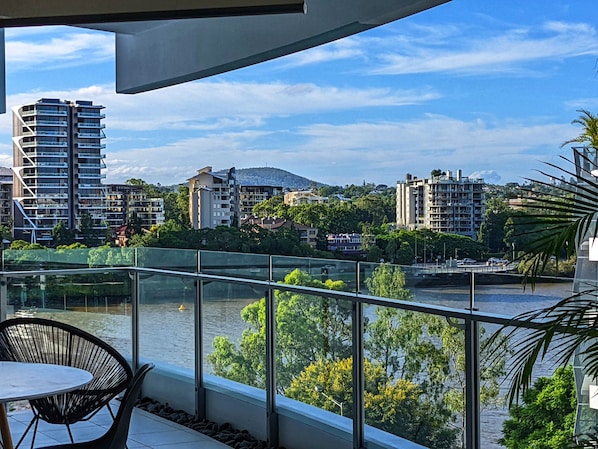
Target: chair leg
{"x": 68, "y": 428}
{"x": 33, "y": 421}
{"x": 114, "y": 417}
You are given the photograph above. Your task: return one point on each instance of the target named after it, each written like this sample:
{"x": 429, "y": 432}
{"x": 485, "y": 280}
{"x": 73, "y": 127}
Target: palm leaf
{"x": 553, "y": 334}
{"x": 561, "y": 222}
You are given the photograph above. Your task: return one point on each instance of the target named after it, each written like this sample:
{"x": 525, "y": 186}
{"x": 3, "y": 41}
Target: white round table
{"x": 23, "y": 381}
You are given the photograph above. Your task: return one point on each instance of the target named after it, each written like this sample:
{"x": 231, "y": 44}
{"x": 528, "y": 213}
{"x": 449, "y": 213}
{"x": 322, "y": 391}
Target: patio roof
{"x": 220, "y": 36}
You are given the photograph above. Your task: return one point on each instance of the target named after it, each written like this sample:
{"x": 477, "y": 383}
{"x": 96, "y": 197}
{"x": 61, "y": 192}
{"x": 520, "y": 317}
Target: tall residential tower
{"x": 58, "y": 159}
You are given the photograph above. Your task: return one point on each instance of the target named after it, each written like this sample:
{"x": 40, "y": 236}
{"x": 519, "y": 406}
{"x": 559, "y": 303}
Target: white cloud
{"x": 351, "y": 153}
{"x": 57, "y": 50}
{"x": 509, "y": 51}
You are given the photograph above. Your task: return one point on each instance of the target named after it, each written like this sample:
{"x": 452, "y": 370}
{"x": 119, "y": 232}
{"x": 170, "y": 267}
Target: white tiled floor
{"x": 146, "y": 431}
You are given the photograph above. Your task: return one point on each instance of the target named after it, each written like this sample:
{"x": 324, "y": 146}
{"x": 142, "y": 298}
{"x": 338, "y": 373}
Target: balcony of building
{"x": 171, "y": 307}
{"x": 91, "y": 155}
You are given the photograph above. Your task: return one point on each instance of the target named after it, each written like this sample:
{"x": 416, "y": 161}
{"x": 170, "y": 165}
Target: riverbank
{"x": 455, "y": 278}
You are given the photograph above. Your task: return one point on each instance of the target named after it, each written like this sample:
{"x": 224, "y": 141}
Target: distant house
{"x": 345, "y": 243}
{"x": 303, "y": 197}
{"x": 307, "y": 234}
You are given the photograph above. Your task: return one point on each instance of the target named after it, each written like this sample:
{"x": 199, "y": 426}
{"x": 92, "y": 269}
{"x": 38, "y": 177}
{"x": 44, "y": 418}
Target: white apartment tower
{"x": 214, "y": 199}
{"x": 445, "y": 203}
{"x": 58, "y": 162}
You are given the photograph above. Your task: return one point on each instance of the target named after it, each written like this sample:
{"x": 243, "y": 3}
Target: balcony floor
{"x": 147, "y": 431}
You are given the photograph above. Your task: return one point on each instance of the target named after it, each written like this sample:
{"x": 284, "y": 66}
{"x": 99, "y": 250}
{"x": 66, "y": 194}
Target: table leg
{"x": 4, "y": 429}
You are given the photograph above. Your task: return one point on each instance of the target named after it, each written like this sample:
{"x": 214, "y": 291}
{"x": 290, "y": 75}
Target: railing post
{"x": 271, "y": 414}
{"x": 200, "y": 406}
{"x": 3, "y": 298}
{"x": 358, "y": 376}
{"x": 472, "y": 376}
{"x": 135, "y": 286}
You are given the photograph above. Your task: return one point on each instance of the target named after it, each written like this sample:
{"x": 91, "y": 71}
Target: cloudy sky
{"x": 486, "y": 86}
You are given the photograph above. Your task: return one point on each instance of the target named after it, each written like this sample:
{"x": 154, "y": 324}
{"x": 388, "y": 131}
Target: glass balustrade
{"x": 291, "y": 328}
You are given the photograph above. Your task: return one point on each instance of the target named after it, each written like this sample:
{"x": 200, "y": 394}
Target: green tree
{"x": 589, "y": 135}
{"x": 61, "y": 235}
{"x": 87, "y": 231}
{"x": 546, "y": 417}
{"x": 492, "y": 232}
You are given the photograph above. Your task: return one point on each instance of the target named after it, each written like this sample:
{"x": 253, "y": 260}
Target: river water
{"x": 166, "y": 328}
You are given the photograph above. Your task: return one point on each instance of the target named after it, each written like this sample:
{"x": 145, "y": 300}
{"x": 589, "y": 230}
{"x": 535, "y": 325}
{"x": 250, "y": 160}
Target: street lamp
{"x": 321, "y": 391}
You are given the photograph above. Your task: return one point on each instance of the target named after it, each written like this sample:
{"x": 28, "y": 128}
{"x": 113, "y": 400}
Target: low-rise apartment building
{"x": 252, "y": 195}
{"x": 445, "y": 203}
{"x": 126, "y": 203}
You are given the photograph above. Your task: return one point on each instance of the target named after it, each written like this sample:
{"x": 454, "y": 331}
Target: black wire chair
{"x": 38, "y": 340}
{"x": 117, "y": 434}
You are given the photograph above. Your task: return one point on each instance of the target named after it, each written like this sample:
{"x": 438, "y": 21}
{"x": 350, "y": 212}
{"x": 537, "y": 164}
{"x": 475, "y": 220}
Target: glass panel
{"x": 314, "y": 348}
{"x": 234, "y": 333}
{"x": 167, "y": 259}
{"x": 414, "y": 376}
{"x": 50, "y": 259}
{"x": 97, "y": 303}
{"x": 167, "y": 319}
{"x": 321, "y": 269}
{"x": 243, "y": 265}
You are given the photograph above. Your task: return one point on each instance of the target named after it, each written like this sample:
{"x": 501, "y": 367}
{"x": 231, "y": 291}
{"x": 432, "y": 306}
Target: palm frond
{"x": 553, "y": 334}
{"x": 559, "y": 222}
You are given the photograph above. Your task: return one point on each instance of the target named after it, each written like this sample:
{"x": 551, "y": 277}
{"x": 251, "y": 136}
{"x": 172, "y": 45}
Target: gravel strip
{"x": 225, "y": 433}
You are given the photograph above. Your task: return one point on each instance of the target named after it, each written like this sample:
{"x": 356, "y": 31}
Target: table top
{"x": 20, "y": 381}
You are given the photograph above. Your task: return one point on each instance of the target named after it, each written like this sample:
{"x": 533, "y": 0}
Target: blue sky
{"x": 489, "y": 87}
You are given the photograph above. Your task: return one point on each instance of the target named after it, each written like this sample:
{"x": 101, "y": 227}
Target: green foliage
{"x": 589, "y": 135}
{"x": 427, "y": 349}
{"x": 23, "y": 245}
{"x": 87, "y": 231}
{"x": 309, "y": 328}
{"x": 61, "y": 235}
{"x": 396, "y": 406}
{"x": 546, "y": 418}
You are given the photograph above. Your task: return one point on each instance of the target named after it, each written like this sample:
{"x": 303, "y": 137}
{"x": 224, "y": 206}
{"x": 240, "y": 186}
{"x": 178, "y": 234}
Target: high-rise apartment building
{"x": 445, "y": 203}
{"x": 214, "y": 199}
{"x": 58, "y": 162}
{"x": 126, "y": 203}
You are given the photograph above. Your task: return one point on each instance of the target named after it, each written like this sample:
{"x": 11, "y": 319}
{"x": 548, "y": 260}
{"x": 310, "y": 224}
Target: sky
{"x": 486, "y": 86}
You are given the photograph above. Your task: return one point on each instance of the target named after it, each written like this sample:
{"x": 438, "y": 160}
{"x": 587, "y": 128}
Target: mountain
{"x": 268, "y": 176}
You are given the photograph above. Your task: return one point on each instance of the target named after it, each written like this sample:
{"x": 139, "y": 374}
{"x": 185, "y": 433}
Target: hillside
{"x": 268, "y": 176}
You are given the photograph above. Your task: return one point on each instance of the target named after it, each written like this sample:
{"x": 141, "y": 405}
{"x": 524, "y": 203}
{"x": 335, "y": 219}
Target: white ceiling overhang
{"x": 160, "y": 43}
{"x": 151, "y": 55}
